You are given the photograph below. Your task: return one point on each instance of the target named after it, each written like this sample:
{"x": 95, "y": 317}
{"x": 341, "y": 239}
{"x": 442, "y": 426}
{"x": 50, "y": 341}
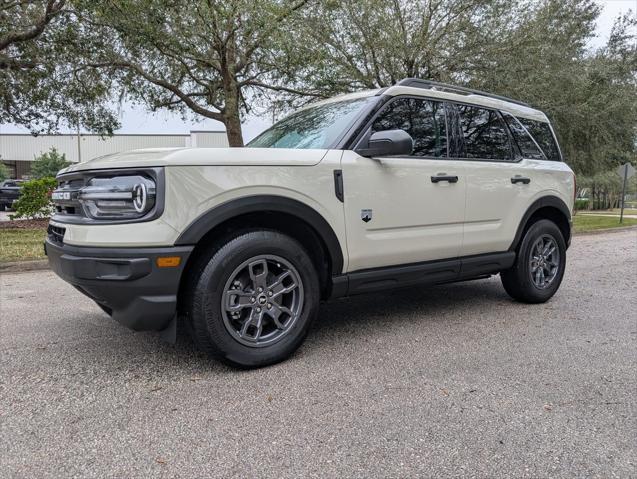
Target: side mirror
{"x": 388, "y": 143}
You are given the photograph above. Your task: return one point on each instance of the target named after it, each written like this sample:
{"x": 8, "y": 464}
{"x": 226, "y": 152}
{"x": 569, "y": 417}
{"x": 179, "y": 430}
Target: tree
{"x": 48, "y": 164}
{"x": 209, "y": 58}
{"x": 375, "y": 43}
{"x": 590, "y": 96}
{"x": 42, "y": 85}
{"x": 532, "y": 51}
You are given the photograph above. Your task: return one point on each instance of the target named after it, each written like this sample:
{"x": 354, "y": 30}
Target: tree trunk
{"x": 233, "y": 129}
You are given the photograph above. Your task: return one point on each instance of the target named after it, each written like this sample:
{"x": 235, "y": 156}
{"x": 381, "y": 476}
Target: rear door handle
{"x": 520, "y": 179}
{"x": 444, "y": 177}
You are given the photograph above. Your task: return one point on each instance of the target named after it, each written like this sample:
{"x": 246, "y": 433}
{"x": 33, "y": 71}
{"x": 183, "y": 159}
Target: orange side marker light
{"x": 168, "y": 261}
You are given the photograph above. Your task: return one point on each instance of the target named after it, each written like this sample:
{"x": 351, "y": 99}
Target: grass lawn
{"x": 582, "y": 223}
{"x": 21, "y": 244}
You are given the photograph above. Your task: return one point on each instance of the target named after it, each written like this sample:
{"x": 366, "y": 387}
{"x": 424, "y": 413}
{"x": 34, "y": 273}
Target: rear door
{"x": 397, "y": 210}
{"x": 501, "y": 182}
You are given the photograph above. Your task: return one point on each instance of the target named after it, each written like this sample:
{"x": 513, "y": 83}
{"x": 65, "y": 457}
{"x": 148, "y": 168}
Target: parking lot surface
{"x": 454, "y": 380}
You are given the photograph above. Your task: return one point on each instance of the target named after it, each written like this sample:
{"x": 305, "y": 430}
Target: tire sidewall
{"x": 207, "y": 316}
{"x": 535, "y": 231}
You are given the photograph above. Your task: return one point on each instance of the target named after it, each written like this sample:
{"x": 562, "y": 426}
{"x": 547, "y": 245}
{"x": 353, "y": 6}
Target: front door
{"x": 408, "y": 209}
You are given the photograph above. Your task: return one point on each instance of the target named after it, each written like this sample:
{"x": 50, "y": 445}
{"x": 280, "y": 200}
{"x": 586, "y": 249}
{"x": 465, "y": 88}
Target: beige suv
{"x": 417, "y": 184}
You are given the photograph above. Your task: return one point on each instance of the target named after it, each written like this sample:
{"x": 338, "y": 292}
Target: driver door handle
{"x": 520, "y": 179}
{"x": 444, "y": 177}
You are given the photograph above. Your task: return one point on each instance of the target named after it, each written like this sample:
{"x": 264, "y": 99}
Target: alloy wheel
{"x": 262, "y": 300}
{"x": 544, "y": 261}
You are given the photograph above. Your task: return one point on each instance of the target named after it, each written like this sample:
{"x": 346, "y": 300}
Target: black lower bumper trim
{"x": 125, "y": 281}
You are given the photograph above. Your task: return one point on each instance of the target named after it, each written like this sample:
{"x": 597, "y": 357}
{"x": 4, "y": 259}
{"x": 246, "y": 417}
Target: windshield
{"x": 314, "y": 127}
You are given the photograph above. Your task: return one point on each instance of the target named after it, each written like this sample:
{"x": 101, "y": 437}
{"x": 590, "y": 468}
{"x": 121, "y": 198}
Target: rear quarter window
{"x": 543, "y": 135}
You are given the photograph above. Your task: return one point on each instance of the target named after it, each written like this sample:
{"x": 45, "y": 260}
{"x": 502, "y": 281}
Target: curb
{"x": 24, "y": 266}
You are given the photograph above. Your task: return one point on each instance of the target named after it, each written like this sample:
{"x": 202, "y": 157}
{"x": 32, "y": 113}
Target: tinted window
{"x": 315, "y": 127}
{"x": 543, "y": 136}
{"x": 527, "y": 146}
{"x": 484, "y": 132}
{"x": 424, "y": 120}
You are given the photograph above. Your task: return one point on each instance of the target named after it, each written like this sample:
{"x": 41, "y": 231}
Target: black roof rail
{"x": 430, "y": 85}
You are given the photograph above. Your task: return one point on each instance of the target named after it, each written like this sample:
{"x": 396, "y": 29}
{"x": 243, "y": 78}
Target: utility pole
{"x": 625, "y": 171}
{"x": 79, "y": 144}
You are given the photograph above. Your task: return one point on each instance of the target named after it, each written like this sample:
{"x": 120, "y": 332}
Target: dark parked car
{"x": 9, "y": 192}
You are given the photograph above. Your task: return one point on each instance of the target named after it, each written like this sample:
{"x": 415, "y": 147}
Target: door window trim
{"x": 366, "y": 131}
{"x": 516, "y": 155}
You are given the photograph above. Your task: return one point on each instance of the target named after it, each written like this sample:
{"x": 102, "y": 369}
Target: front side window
{"x": 528, "y": 147}
{"x": 424, "y": 120}
{"x": 314, "y": 127}
{"x": 485, "y": 134}
{"x": 543, "y": 135}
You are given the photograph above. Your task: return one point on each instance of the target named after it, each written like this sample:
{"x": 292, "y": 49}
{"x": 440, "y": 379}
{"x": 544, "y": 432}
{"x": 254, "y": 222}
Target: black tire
{"x": 3, "y": 207}
{"x": 518, "y": 281}
{"x": 209, "y": 322}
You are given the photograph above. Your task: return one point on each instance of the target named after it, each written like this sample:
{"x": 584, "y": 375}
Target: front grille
{"x": 56, "y": 234}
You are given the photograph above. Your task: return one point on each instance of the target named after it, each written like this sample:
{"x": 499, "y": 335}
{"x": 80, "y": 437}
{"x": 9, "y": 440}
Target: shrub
{"x": 4, "y": 171}
{"x": 35, "y": 199}
{"x": 581, "y": 204}
{"x": 48, "y": 164}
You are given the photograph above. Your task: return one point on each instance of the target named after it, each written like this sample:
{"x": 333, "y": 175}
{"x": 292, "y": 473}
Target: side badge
{"x": 366, "y": 215}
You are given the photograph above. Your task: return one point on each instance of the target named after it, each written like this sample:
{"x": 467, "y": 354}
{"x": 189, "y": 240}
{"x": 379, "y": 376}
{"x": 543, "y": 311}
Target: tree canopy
{"x": 534, "y": 51}
{"x": 42, "y": 83}
{"x": 222, "y": 59}
{"x": 210, "y": 58}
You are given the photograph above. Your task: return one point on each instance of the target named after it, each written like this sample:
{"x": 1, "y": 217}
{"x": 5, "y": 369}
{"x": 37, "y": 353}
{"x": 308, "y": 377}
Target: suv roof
{"x": 445, "y": 91}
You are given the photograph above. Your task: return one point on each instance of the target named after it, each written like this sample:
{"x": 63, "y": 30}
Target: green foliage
{"x": 193, "y": 56}
{"x": 35, "y": 199}
{"x": 581, "y": 203}
{"x": 43, "y": 82}
{"x": 532, "y": 51}
{"x": 48, "y": 164}
{"x": 603, "y": 190}
{"x": 4, "y": 172}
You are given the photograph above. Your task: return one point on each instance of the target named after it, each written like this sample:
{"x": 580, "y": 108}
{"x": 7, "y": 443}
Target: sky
{"x": 135, "y": 119}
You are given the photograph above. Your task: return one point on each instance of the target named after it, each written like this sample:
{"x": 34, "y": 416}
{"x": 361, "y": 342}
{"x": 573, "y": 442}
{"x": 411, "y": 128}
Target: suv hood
{"x": 149, "y": 157}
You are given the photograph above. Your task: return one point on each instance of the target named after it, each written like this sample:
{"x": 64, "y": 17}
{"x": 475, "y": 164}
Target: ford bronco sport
{"x": 417, "y": 184}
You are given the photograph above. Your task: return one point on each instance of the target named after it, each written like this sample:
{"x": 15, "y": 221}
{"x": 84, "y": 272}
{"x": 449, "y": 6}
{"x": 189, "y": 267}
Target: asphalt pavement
{"x": 450, "y": 381}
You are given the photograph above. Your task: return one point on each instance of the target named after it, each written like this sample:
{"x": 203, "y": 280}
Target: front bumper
{"x": 126, "y": 282}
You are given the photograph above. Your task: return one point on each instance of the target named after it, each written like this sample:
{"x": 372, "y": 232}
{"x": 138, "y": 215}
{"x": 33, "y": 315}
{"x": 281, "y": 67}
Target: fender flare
{"x": 551, "y": 201}
{"x": 260, "y": 203}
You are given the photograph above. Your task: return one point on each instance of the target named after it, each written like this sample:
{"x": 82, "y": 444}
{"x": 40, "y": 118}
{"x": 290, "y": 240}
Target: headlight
{"x": 118, "y": 197}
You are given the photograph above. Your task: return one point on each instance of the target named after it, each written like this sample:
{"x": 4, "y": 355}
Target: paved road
{"x": 451, "y": 381}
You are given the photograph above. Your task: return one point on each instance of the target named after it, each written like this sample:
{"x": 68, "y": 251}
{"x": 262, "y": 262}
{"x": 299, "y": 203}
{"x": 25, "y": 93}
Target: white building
{"x": 18, "y": 150}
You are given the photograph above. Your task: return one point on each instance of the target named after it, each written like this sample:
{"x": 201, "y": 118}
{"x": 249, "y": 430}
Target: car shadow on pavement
{"x": 423, "y": 305}
{"x": 339, "y": 322}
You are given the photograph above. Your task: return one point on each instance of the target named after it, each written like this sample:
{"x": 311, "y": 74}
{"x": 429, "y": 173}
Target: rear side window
{"x": 485, "y": 134}
{"x": 543, "y": 135}
{"x": 424, "y": 120}
{"x": 527, "y": 146}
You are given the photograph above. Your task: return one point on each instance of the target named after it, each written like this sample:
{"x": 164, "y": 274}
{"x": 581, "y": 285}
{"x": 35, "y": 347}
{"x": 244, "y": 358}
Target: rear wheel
{"x": 3, "y": 207}
{"x": 539, "y": 266}
{"x": 254, "y": 299}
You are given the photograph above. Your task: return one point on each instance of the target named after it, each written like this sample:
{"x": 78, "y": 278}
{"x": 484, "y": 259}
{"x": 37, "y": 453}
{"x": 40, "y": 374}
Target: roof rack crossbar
{"x": 429, "y": 84}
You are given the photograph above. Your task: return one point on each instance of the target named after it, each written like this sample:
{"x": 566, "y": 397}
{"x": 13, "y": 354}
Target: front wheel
{"x": 539, "y": 266}
{"x": 254, "y": 299}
